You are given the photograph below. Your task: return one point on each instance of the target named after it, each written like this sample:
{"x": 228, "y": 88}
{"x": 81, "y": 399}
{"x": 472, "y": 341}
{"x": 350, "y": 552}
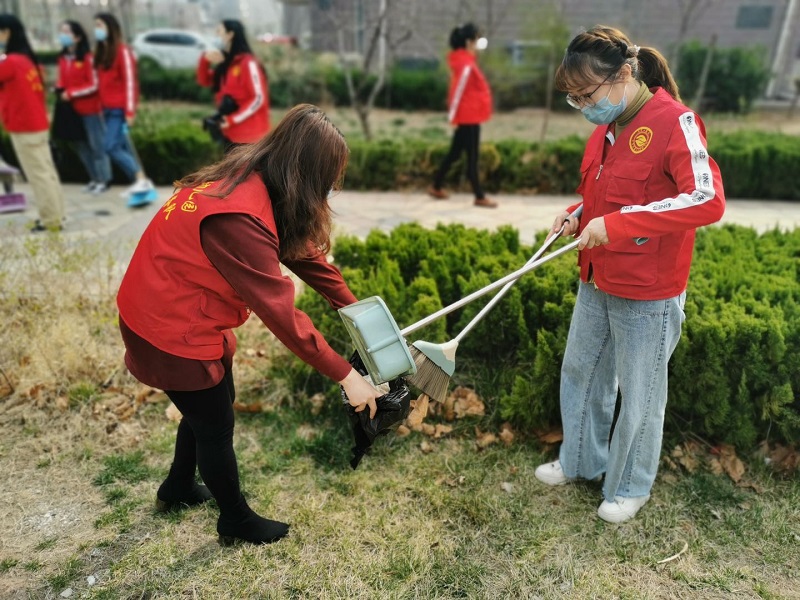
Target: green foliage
{"x": 736, "y": 78}
{"x": 735, "y": 376}
{"x": 156, "y": 83}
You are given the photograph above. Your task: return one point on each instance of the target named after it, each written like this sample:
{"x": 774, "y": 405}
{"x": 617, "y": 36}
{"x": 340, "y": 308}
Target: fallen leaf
{"x": 426, "y": 447}
{"x": 484, "y": 439}
{"x": 62, "y": 403}
{"x": 428, "y": 429}
{"x": 143, "y": 393}
{"x": 317, "y": 403}
{"x": 507, "y": 487}
{"x": 441, "y": 430}
{"x": 418, "y": 412}
{"x": 731, "y": 463}
{"x": 507, "y": 434}
{"x": 250, "y": 352}
{"x": 551, "y": 437}
{"x": 173, "y": 414}
{"x": 686, "y": 458}
{"x": 402, "y": 431}
{"x": 715, "y": 466}
{"x": 255, "y": 407}
{"x": 467, "y": 403}
{"x": 448, "y": 408}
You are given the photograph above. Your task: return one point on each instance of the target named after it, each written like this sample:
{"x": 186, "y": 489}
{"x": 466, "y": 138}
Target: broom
{"x": 436, "y": 362}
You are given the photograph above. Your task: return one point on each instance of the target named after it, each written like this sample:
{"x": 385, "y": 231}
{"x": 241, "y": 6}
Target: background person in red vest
{"x": 119, "y": 95}
{"x": 647, "y": 183}
{"x": 78, "y": 85}
{"x": 209, "y": 257}
{"x": 240, "y": 87}
{"x": 24, "y": 115}
{"x": 470, "y": 104}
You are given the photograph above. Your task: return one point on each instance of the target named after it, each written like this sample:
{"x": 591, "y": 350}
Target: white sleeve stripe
{"x": 129, "y": 83}
{"x": 462, "y": 84}
{"x": 90, "y": 89}
{"x": 258, "y": 100}
{"x": 703, "y": 177}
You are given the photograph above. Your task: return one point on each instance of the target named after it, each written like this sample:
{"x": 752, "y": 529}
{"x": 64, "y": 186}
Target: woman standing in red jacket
{"x": 24, "y": 115}
{"x": 78, "y": 85}
{"x": 470, "y": 102}
{"x": 239, "y": 84}
{"x": 119, "y": 95}
{"x": 647, "y": 183}
{"x": 209, "y": 257}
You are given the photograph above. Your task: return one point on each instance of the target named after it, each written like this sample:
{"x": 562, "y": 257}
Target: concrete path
{"x": 106, "y": 216}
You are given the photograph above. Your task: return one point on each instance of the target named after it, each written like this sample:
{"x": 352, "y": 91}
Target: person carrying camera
{"x": 240, "y": 88}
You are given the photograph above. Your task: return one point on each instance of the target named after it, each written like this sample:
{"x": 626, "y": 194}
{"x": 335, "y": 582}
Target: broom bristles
{"x": 430, "y": 377}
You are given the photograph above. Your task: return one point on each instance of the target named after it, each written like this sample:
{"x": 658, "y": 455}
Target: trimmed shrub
{"x": 734, "y": 378}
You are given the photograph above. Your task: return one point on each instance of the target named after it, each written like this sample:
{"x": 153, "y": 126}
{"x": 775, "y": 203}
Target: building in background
{"x": 418, "y": 29}
{"x": 425, "y": 24}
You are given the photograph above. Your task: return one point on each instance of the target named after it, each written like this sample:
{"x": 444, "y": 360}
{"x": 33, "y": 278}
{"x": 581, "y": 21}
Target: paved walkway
{"x": 107, "y": 217}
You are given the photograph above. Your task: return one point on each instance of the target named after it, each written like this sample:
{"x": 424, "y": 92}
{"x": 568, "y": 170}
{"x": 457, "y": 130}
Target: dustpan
{"x": 378, "y": 339}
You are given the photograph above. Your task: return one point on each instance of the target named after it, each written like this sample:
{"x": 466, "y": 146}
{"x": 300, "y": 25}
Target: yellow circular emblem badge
{"x": 189, "y": 206}
{"x": 640, "y": 139}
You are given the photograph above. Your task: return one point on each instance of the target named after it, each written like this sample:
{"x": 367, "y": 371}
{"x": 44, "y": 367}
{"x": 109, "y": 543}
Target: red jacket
{"x": 173, "y": 296}
{"x": 79, "y": 80}
{"x": 22, "y": 106}
{"x": 656, "y": 181}
{"x": 118, "y": 85}
{"x": 469, "y": 98}
{"x": 244, "y": 81}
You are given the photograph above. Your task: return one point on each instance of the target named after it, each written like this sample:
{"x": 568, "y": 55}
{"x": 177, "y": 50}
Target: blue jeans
{"x": 117, "y": 145}
{"x": 617, "y": 344}
{"x": 92, "y": 151}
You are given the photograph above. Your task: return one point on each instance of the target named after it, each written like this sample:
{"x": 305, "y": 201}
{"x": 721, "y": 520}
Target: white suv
{"x": 171, "y": 48}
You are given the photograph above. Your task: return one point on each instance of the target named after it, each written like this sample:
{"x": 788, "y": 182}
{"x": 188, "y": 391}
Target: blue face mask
{"x": 100, "y": 34}
{"x": 218, "y": 42}
{"x": 65, "y": 40}
{"x": 604, "y": 112}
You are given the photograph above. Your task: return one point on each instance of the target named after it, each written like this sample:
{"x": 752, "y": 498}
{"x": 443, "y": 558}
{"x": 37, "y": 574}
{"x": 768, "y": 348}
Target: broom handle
{"x": 576, "y": 214}
{"x": 485, "y": 290}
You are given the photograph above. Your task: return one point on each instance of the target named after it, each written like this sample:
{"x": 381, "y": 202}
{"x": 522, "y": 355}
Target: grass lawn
{"x": 84, "y": 447}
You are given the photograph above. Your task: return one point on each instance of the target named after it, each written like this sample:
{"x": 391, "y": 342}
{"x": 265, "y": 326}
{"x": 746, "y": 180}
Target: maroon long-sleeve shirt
{"x": 251, "y": 266}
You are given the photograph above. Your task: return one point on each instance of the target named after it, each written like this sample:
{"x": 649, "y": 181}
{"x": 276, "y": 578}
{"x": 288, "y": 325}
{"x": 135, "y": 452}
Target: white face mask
{"x": 482, "y": 43}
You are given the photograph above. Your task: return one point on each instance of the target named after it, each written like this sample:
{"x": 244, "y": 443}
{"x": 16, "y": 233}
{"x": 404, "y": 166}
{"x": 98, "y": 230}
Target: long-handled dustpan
{"x": 436, "y": 362}
{"x": 381, "y": 343}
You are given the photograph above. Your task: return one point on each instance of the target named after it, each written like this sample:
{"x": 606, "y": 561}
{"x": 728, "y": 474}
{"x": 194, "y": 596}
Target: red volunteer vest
{"x": 630, "y": 175}
{"x": 171, "y": 294}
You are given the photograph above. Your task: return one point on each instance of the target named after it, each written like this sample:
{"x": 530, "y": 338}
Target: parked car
{"x": 171, "y": 48}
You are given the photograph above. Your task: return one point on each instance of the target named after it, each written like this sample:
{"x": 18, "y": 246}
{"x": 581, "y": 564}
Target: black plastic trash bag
{"x": 393, "y": 408}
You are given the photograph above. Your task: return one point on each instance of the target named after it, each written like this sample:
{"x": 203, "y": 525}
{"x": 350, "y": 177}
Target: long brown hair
{"x": 600, "y": 52}
{"x": 300, "y": 161}
{"x": 106, "y": 51}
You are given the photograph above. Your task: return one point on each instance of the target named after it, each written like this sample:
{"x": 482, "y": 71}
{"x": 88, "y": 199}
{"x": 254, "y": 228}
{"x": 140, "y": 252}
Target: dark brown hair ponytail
{"x": 601, "y": 52}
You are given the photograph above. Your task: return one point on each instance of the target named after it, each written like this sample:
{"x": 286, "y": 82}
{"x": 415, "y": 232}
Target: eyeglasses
{"x": 585, "y": 100}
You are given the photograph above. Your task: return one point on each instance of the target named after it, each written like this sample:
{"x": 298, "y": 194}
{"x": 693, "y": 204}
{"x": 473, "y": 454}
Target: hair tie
{"x": 635, "y": 51}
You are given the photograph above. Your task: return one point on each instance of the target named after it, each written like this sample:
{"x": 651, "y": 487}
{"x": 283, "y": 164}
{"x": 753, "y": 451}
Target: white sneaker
{"x": 89, "y": 187}
{"x": 551, "y": 473}
{"x": 100, "y": 188}
{"x": 621, "y": 509}
{"x": 141, "y": 186}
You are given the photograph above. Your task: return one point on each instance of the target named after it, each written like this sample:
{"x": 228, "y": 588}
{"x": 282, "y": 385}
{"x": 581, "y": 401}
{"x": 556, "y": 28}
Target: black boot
{"x": 244, "y": 525}
{"x": 175, "y": 497}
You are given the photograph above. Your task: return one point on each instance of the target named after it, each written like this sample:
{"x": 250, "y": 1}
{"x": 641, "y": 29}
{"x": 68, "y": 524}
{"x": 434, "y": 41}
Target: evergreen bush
{"x": 735, "y": 376}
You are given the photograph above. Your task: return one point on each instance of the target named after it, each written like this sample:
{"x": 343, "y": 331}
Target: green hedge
{"x": 170, "y": 151}
{"x": 735, "y": 376}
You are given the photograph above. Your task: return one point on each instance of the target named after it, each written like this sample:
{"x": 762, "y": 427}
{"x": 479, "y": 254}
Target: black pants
{"x": 205, "y": 440}
{"x": 466, "y": 138}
